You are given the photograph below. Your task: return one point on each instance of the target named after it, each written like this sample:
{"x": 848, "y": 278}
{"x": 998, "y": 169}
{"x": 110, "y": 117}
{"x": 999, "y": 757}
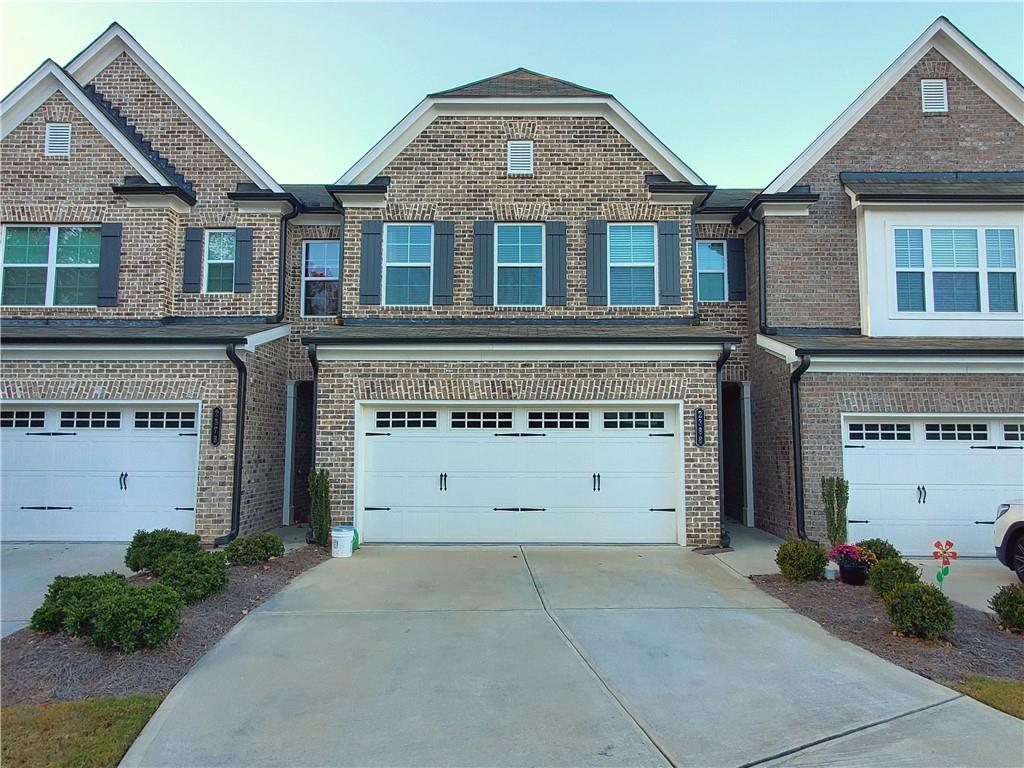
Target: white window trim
{"x": 304, "y": 279}
{"x": 51, "y": 266}
{"x": 206, "y": 262}
{"x": 724, "y": 272}
{"x": 609, "y": 265}
{"x": 542, "y": 265}
{"x": 384, "y": 264}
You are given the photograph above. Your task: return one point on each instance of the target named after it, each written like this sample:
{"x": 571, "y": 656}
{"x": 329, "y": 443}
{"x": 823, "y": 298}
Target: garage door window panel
{"x": 22, "y": 419}
{"x": 634, "y": 419}
{"x": 955, "y": 431}
{"x": 165, "y": 420}
{"x": 406, "y": 419}
{"x": 408, "y": 259}
{"x": 481, "y": 419}
{"x": 90, "y": 419}
{"x": 519, "y": 268}
{"x": 558, "y": 420}
{"x": 1013, "y": 433}
{"x": 880, "y": 431}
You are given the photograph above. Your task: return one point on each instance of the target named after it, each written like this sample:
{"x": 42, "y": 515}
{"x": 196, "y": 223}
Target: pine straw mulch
{"x": 977, "y": 645}
{"x": 41, "y": 668}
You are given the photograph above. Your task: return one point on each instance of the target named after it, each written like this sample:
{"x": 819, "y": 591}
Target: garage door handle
{"x": 984, "y": 522}
{"x": 598, "y": 481}
{"x": 47, "y": 507}
{"x": 919, "y": 494}
{"x": 925, "y": 489}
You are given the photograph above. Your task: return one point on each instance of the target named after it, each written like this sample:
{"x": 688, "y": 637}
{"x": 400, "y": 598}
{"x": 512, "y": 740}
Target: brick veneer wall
{"x": 341, "y": 384}
{"x": 728, "y": 316}
{"x": 774, "y": 508}
{"x": 299, "y": 368}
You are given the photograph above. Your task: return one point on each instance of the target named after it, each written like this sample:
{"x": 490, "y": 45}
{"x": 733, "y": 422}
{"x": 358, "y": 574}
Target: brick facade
{"x": 299, "y": 368}
{"x": 727, "y": 316}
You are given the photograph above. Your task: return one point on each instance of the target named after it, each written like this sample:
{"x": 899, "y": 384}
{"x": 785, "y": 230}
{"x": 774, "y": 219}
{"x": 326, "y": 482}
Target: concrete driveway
{"x": 548, "y": 656}
{"x": 26, "y": 570}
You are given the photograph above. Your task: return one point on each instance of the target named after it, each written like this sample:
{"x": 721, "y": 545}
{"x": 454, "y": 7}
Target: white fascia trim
{"x": 948, "y": 41}
{"x": 357, "y": 200}
{"x": 703, "y": 353}
{"x": 713, "y": 218}
{"x": 41, "y": 85}
{"x": 780, "y": 350}
{"x": 856, "y": 204}
{"x": 115, "y": 41}
{"x": 674, "y": 198}
{"x": 316, "y": 220}
{"x": 783, "y": 209}
{"x": 275, "y": 207}
{"x": 114, "y": 352}
{"x": 168, "y": 202}
{"x": 370, "y": 165}
{"x": 262, "y": 337}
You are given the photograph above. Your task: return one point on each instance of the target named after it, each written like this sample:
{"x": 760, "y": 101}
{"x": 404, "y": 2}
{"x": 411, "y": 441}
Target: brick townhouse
{"x": 518, "y": 317}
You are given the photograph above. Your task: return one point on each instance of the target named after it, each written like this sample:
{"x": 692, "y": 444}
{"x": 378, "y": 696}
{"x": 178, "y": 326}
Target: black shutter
{"x": 370, "y": 254}
{"x": 668, "y": 263}
{"x": 737, "y": 266}
{"x": 483, "y": 262}
{"x": 554, "y": 267}
{"x": 110, "y": 264}
{"x": 192, "y": 273}
{"x": 444, "y": 261}
{"x": 597, "y": 262}
{"x": 243, "y": 260}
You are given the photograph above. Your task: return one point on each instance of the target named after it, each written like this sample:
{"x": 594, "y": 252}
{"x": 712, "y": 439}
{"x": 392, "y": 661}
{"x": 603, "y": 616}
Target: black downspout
{"x": 719, "y": 365}
{"x": 798, "y": 463}
{"x": 315, "y": 364}
{"x": 282, "y": 262}
{"x": 341, "y": 263}
{"x": 762, "y": 278}
{"x": 693, "y": 264}
{"x": 236, "y": 479}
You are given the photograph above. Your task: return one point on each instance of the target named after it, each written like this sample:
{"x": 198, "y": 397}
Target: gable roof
{"x": 955, "y": 46}
{"x": 115, "y": 41}
{"x": 519, "y": 83}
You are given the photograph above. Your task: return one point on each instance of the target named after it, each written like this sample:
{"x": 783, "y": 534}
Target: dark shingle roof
{"x": 954, "y": 185}
{"x": 520, "y": 83}
{"x": 901, "y": 345}
{"x": 310, "y": 195}
{"x": 733, "y": 199}
{"x": 124, "y": 333}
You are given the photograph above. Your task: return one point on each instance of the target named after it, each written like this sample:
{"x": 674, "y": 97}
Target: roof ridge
{"x": 498, "y": 77}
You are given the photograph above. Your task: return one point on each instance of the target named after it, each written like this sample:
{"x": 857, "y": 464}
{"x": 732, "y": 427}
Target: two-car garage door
{"x": 520, "y": 474}
{"x": 97, "y": 471}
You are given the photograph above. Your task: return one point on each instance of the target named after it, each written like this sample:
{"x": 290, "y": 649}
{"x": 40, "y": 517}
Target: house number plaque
{"x": 698, "y": 426}
{"x": 215, "y": 422}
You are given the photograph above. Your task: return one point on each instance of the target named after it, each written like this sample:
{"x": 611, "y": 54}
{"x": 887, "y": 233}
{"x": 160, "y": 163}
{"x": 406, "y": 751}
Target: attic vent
{"x": 58, "y": 140}
{"x": 933, "y": 96}
{"x": 520, "y": 157}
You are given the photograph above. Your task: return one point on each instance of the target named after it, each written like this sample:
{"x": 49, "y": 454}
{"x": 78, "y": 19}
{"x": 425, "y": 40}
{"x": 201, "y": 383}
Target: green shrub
{"x": 70, "y": 602}
{"x": 193, "y": 575}
{"x": 258, "y": 548}
{"x": 137, "y": 617}
{"x": 148, "y": 547}
{"x": 320, "y": 506}
{"x": 801, "y": 560}
{"x": 835, "y": 494}
{"x": 883, "y": 549}
{"x": 920, "y": 610}
{"x": 886, "y": 575}
{"x": 1008, "y": 603}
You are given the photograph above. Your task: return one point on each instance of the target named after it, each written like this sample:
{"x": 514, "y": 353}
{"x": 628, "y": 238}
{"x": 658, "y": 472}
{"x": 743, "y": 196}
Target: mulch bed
{"x": 977, "y": 646}
{"x": 42, "y": 668}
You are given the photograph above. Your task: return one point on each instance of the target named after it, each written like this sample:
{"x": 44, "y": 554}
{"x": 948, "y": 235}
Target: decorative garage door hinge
{"x": 47, "y": 507}
{"x": 662, "y": 509}
{"x": 50, "y": 434}
{"x": 661, "y": 434}
{"x": 378, "y": 434}
{"x": 520, "y": 509}
{"x": 520, "y": 434}
{"x": 376, "y": 509}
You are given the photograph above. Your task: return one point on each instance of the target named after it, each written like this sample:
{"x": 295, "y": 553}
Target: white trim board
{"x": 703, "y": 353}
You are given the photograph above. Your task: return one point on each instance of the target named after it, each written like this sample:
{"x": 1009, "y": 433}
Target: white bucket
{"x": 341, "y": 540}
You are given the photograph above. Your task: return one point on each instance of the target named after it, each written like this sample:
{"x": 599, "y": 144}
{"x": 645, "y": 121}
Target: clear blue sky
{"x": 737, "y": 90}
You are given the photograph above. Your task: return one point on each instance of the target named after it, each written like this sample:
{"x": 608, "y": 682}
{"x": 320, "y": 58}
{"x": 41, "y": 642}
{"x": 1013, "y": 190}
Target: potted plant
{"x": 854, "y": 563}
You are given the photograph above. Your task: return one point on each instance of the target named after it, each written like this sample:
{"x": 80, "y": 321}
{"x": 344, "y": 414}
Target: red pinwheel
{"x": 944, "y": 552}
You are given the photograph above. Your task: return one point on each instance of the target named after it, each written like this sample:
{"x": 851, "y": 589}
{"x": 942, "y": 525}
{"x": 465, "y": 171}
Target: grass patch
{"x": 1004, "y": 695}
{"x": 91, "y": 733}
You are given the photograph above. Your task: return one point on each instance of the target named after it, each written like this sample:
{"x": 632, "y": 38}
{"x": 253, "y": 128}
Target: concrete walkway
{"x": 550, "y": 656}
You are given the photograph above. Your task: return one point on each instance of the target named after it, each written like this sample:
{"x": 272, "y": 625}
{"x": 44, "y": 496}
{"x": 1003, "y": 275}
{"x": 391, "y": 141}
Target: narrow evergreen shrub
{"x": 920, "y": 610}
{"x": 886, "y": 575}
{"x": 320, "y": 506}
{"x": 1008, "y": 603}
{"x": 834, "y": 495}
{"x": 883, "y": 549}
{"x": 70, "y": 602}
{"x": 148, "y": 547}
{"x": 193, "y": 575}
{"x": 801, "y": 560}
{"x": 258, "y": 548}
{"x": 136, "y": 618}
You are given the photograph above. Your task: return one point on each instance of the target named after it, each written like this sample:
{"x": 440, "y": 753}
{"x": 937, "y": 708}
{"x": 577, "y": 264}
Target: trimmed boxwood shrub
{"x": 886, "y": 575}
{"x": 148, "y": 547}
{"x": 883, "y": 549}
{"x": 70, "y": 602}
{"x": 920, "y": 610}
{"x": 1008, "y": 603}
{"x": 193, "y": 575}
{"x": 258, "y": 548}
{"x": 801, "y": 560}
{"x": 137, "y": 617}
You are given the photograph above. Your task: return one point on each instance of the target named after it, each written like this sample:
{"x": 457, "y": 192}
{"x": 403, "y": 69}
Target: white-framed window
{"x": 519, "y": 265}
{"x": 519, "y": 157}
{"x": 91, "y": 419}
{"x": 481, "y": 419}
{"x": 558, "y": 420}
{"x": 406, "y": 419}
{"x": 57, "y": 141}
{"x": 712, "y": 271}
{"x": 634, "y": 419}
{"x": 632, "y": 265}
{"x": 50, "y": 265}
{"x": 12, "y": 418}
{"x": 880, "y": 431}
{"x": 957, "y": 431}
{"x": 408, "y": 265}
{"x": 934, "y": 97}
{"x": 1013, "y": 433}
{"x": 321, "y": 272}
{"x": 219, "y": 261}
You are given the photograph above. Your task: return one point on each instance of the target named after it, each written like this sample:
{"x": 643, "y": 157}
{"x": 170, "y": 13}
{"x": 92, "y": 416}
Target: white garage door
{"x": 917, "y": 479}
{"x": 520, "y": 474}
{"x": 96, "y": 471}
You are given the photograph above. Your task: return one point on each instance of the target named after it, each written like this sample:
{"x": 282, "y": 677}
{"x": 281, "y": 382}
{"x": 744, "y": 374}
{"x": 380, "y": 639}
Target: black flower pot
{"x": 855, "y": 575}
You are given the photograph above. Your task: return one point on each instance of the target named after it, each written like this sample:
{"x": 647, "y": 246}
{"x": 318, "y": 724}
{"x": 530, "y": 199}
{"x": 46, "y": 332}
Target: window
{"x": 406, "y": 419}
{"x": 1013, "y": 433}
{"x": 58, "y": 140}
{"x": 955, "y": 431}
{"x": 1001, "y": 266}
{"x": 91, "y": 419}
{"x": 321, "y": 267}
{"x": 165, "y": 420}
{"x": 712, "y": 280}
{"x": 558, "y": 420}
{"x": 408, "y": 255}
{"x": 519, "y": 274}
{"x": 909, "y": 270}
{"x": 880, "y": 431}
{"x": 46, "y": 266}
{"x": 631, "y": 265}
{"x": 519, "y": 157}
{"x": 481, "y": 419}
{"x": 220, "y": 261}
{"x": 12, "y": 418}
{"x": 634, "y": 419}
{"x": 933, "y": 96}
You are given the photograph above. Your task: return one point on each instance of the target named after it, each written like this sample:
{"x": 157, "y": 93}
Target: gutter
{"x": 798, "y": 463}
{"x": 315, "y": 363}
{"x": 723, "y": 358}
{"x": 236, "y": 478}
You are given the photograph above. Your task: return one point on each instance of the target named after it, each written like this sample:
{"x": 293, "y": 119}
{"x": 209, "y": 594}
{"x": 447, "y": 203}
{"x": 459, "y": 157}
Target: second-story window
{"x": 320, "y": 278}
{"x": 519, "y": 267}
{"x": 711, "y": 270}
{"x": 50, "y": 266}
{"x": 408, "y": 255}
{"x": 632, "y": 265}
{"x": 220, "y": 261}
